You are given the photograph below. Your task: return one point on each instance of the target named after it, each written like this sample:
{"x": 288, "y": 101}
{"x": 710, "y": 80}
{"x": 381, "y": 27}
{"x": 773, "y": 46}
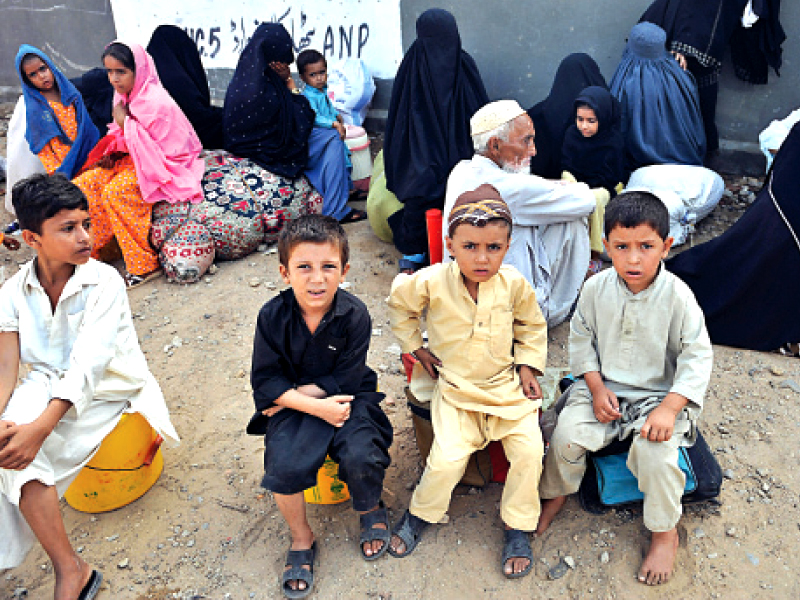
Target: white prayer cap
{"x": 493, "y": 115}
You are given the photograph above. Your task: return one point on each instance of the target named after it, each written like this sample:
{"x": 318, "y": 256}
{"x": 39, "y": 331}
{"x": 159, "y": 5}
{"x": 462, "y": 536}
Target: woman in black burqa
{"x": 552, "y": 116}
{"x": 747, "y": 281}
{"x": 182, "y": 74}
{"x": 436, "y": 91}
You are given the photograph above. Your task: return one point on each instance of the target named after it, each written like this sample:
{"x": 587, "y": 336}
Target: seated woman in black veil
{"x": 268, "y": 120}
{"x": 436, "y": 91}
{"x": 182, "y": 74}
{"x": 552, "y": 116}
{"x": 747, "y": 280}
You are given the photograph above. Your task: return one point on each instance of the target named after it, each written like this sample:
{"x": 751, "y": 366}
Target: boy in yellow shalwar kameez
{"x": 488, "y": 342}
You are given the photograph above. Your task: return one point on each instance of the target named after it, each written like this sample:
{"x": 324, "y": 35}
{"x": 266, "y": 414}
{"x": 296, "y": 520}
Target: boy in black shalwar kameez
{"x": 315, "y": 395}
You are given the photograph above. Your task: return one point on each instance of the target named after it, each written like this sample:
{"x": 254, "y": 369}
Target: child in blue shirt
{"x": 313, "y": 70}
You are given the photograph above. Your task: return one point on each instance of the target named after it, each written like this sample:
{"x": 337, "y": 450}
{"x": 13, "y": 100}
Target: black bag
{"x": 706, "y": 469}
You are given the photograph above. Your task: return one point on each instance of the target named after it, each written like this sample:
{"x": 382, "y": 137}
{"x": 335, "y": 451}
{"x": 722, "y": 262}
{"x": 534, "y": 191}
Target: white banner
{"x": 366, "y": 29}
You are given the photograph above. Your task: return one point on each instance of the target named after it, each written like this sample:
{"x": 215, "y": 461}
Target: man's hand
{"x": 334, "y": 409}
{"x": 429, "y": 361}
{"x": 530, "y": 385}
{"x": 20, "y": 444}
{"x": 606, "y": 405}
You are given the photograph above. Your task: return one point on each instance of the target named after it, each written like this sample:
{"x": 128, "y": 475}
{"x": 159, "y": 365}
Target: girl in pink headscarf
{"x": 151, "y": 153}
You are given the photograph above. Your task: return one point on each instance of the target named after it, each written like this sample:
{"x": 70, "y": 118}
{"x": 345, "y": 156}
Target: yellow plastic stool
{"x": 329, "y": 489}
{"x": 127, "y": 464}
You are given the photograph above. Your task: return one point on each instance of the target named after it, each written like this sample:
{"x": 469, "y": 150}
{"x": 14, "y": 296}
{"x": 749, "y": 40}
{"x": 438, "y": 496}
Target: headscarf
{"x": 747, "y": 280}
{"x": 263, "y": 120}
{"x": 183, "y": 76}
{"x": 661, "y": 120}
{"x": 478, "y": 207}
{"x": 598, "y": 161}
{"x": 552, "y": 116}
{"x": 164, "y": 147}
{"x": 436, "y": 90}
{"x": 98, "y": 95}
{"x": 42, "y": 124}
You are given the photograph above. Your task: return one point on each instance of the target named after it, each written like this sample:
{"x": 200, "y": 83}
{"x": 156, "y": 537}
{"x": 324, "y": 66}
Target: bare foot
{"x": 660, "y": 560}
{"x": 550, "y": 509}
{"x": 397, "y": 545}
{"x": 299, "y": 544}
{"x": 71, "y": 580}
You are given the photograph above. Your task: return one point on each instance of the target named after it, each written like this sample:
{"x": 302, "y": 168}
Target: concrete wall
{"x": 73, "y": 33}
{"x": 517, "y": 45}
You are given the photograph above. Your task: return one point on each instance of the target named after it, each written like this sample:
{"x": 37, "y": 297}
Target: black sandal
{"x": 296, "y": 559}
{"x": 89, "y": 591}
{"x": 516, "y": 544}
{"x": 370, "y": 533}
{"x": 354, "y": 216}
{"x": 409, "y": 529}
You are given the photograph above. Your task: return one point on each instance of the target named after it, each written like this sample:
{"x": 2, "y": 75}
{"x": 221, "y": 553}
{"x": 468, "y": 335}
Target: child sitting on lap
{"x": 639, "y": 347}
{"x": 67, "y": 317}
{"x": 315, "y": 395}
{"x": 313, "y": 70}
{"x": 488, "y": 342}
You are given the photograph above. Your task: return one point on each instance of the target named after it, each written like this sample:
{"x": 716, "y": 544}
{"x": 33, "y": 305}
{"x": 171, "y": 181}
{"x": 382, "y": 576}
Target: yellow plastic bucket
{"x": 127, "y": 464}
{"x": 329, "y": 489}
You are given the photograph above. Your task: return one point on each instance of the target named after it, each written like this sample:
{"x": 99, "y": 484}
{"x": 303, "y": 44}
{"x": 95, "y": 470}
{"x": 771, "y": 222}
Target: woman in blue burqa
{"x": 267, "y": 120}
{"x": 436, "y": 91}
{"x": 661, "y": 120}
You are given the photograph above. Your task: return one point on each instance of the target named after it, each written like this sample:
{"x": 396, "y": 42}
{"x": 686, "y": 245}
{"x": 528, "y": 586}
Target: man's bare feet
{"x": 659, "y": 563}
{"x": 300, "y": 544}
{"x": 550, "y": 509}
{"x": 71, "y": 580}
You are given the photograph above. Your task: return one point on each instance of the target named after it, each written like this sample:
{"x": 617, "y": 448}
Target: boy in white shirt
{"x": 67, "y": 317}
{"x": 639, "y": 347}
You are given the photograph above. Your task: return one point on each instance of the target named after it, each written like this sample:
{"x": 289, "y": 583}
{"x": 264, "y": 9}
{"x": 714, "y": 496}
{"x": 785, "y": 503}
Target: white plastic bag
{"x": 350, "y": 87}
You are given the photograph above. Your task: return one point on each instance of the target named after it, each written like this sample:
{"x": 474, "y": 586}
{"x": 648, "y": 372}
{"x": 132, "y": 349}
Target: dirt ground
{"x": 207, "y": 530}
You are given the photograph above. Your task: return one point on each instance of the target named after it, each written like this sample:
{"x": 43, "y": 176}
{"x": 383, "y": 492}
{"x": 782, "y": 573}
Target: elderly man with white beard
{"x": 550, "y": 237}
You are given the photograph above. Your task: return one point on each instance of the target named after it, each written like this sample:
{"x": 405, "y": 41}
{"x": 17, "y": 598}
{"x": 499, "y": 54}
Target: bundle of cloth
{"x": 244, "y": 206}
{"x": 689, "y": 192}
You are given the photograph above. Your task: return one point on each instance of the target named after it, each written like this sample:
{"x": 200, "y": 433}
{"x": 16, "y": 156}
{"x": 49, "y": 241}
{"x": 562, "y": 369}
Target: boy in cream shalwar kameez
{"x": 640, "y": 350}
{"x": 479, "y": 396}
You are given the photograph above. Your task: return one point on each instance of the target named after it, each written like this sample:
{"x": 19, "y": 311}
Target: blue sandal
{"x": 516, "y": 544}
{"x": 409, "y": 529}
{"x": 296, "y": 559}
{"x": 370, "y": 533}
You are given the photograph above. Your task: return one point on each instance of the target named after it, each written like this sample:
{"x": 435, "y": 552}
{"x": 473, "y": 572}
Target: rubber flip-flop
{"x": 92, "y": 586}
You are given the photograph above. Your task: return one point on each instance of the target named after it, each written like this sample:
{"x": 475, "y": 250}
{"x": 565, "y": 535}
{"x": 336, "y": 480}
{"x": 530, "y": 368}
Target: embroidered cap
{"x": 477, "y": 208}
